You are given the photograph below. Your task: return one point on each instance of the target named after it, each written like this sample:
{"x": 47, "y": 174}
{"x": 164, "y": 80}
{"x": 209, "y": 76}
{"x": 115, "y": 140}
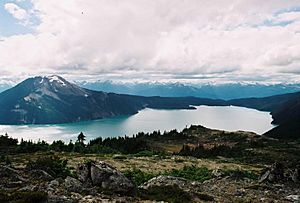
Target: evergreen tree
{"x": 81, "y": 138}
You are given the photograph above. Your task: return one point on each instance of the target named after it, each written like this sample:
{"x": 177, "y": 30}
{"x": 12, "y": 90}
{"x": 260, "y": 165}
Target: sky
{"x": 159, "y": 40}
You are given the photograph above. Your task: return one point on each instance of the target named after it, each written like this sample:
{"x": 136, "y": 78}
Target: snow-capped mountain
{"x": 214, "y": 91}
{"x": 45, "y": 100}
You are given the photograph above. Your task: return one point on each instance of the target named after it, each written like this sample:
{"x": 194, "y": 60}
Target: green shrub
{"x": 139, "y": 177}
{"x": 51, "y": 164}
{"x": 191, "y": 173}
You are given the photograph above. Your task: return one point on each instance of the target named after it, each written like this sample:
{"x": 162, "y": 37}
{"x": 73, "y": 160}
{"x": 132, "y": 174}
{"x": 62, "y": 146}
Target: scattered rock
{"x": 273, "y": 174}
{"x": 53, "y": 184}
{"x": 295, "y": 176}
{"x": 41, "y": 175}
{"x": 76, "y": 196}
{"x": 15, "y": 184}
{"x": 29, "y": 188}
{"x": 217, "y": 173}
{"x": 294, "y": 198}
{"x": 60, "y": 199}
{"x": 182, "y": 183}
{"x": 169, "y": 187}
{"x": 73, "y": 185}
{"x": 11, "y": 174}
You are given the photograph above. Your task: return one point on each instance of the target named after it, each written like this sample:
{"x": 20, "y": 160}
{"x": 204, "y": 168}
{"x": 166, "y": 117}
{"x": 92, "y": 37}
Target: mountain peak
{"x": 56, "y": 79}
{"x": 52, "y": 79}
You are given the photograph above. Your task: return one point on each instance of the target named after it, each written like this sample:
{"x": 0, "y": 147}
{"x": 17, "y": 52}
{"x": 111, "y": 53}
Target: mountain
{"x": 283, "y": 107}
{"x": 49, "y": 100}
{"x": 214, "y": 91}
{"x": 285, "y": 110}
{"x": 287, "y": 130}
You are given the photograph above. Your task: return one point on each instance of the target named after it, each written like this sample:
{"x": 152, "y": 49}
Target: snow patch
{"x": 27, "y": 98}
{"x": 55, "y": 78}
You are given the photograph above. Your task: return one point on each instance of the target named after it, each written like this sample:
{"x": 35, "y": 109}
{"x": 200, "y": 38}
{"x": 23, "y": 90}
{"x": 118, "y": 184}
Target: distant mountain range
{"x": 170, "y": 89}
{"x": 49, "y": 100}
{"x": 213, "y": 91}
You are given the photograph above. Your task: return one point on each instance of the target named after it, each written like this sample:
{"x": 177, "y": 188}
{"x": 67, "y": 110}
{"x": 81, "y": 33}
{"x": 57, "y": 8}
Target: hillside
{"x": 285, "y": 111}
{"x": 283, "y": 107}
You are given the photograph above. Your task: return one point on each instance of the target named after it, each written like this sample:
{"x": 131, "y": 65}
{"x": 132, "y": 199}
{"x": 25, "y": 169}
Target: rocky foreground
{"x": 194, "y": 165}
{"x": 97, "y": 181}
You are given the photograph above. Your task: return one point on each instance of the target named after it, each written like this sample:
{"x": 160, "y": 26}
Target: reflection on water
{"x": 225, "y": 118}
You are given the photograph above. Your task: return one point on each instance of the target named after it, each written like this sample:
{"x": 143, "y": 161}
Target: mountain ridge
{"x": 225, "y": 91}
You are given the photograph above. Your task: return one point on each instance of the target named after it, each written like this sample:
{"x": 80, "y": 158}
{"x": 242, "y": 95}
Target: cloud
{"x": 16, "y": 11}
{"x": 157, "y": 39}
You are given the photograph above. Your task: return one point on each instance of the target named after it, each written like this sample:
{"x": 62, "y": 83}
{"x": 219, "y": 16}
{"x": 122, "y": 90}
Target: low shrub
{"x": 191, "y": 173}
{"x": 139, "y": 177}
{"x": 51, "y": 164}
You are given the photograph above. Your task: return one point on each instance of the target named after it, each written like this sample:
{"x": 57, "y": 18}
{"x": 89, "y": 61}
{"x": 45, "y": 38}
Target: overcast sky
{"x": 188, "y": 40}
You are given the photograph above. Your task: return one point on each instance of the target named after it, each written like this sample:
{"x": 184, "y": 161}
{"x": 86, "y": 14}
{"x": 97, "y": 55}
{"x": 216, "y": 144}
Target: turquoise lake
{"x": 229, "y": 118}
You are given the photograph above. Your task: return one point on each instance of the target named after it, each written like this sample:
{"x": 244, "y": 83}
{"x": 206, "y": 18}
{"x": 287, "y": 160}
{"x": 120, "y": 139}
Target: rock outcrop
{"x": 175, "y": 189}
{"x": 104, "y": 176}
{"x": 273, "y": 174}
{"x": 73, "y": 185}
{"x": 181, "y": 183}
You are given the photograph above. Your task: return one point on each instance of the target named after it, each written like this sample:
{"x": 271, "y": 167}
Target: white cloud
{"x": 16, "y": 11}
{"x": 157, "y": 39}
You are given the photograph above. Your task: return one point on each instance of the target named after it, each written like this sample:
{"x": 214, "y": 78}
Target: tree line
{"x": 126, "y": 145}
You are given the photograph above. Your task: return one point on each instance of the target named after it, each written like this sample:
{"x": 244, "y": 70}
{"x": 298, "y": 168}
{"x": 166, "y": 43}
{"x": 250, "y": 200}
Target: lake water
{"x": 228, "y": 118}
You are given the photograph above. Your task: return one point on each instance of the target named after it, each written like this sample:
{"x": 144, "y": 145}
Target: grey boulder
{"x": 104, "y": 176}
